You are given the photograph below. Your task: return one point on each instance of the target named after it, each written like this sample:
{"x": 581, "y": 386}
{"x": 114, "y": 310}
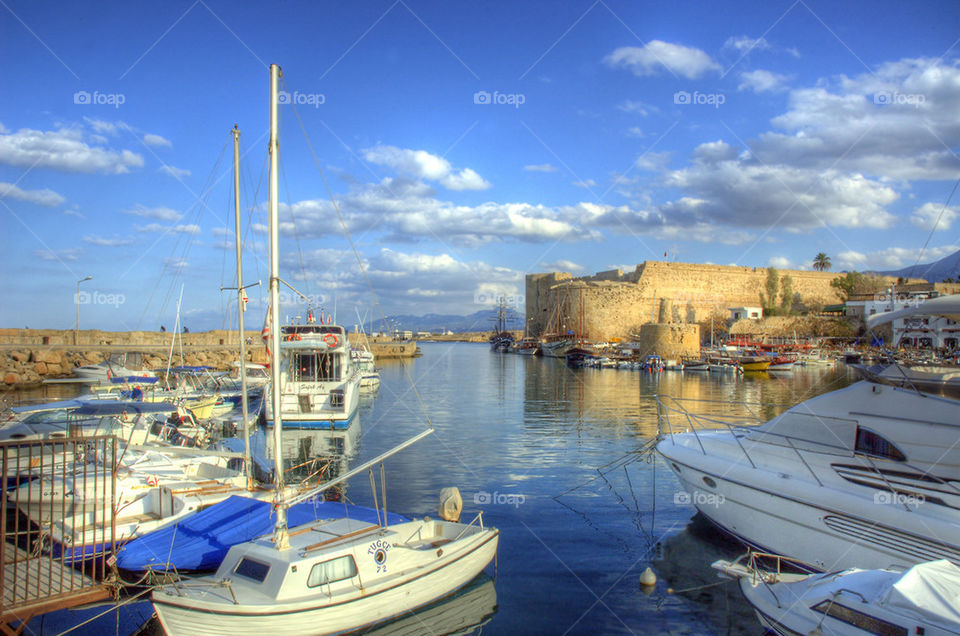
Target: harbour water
{"x": 551, "y": 456}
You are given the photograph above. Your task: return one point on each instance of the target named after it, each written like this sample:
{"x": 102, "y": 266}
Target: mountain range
{"x": 483, "y": 320}
{"x": 946, "y": 267}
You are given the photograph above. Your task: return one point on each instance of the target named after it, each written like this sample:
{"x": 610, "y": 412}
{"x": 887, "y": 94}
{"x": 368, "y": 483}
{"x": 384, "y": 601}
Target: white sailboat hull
{"x": 321, "y": 614}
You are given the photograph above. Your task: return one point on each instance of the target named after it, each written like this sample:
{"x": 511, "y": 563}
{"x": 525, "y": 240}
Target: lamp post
{"x": 76, "y": 332}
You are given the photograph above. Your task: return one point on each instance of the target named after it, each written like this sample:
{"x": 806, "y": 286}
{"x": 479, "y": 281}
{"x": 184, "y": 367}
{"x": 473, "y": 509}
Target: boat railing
{"x": 667, "y": 405}
{"x": 476, "y": 520}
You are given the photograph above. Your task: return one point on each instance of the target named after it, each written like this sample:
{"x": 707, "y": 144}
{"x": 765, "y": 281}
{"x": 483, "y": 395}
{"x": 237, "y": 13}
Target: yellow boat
{"x": 752, "y": 364}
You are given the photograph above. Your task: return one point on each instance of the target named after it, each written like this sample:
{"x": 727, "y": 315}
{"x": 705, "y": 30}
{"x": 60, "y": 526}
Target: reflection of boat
{"x": 923, "y": 600}
{"x": 469, "y": 608}
{"x": 865, "y": 476}
{"x": 325, "y": 576}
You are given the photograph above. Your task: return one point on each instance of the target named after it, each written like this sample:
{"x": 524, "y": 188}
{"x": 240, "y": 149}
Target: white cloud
{"x": 69, "y": 254}
{"x": 156, "y": 140}
{"x": 64, "y": 149}
{"x": 177, "y": 229}
{"x": 890, "y": 258}
{"x": 540, "y": 167}
{"x": 761, "y": 81}
{"x": 160, "y": 213}
{"x": 653, "y": 161}
{"x": 424, "y": 165}
{"x": 561, "y": 266}
{"x": 744, "y": 44}
{"x": 45, "y": 197}
{"x": 638, "y": 107}
{"x": 634, "y": 131}
{"x": 466, "y": 179}
{"x": 657, "y": 55}
{"x": 176, "y": 173}
{"x": 780, "y": 262}
{"x": 107, "y": 241}
{"x": 589, "y": 183}
{"x": 928, "y": 215}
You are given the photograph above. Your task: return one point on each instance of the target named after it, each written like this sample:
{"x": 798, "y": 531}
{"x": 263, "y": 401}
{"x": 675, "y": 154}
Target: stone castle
{"x": 616, "y": 304}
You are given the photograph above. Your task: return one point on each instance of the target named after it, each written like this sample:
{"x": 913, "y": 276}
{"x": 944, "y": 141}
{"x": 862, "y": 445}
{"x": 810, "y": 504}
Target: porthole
{"x": 709, "y": 481}
{"x": 675, "y": 467}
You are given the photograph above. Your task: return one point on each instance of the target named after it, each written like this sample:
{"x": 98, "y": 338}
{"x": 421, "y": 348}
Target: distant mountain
{"x": 435, "y": 323}
{"x": 946, "y": 267}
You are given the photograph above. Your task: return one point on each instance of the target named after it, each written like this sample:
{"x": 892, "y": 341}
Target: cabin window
{"x": 316, "y": 367}
{"x": 253, "y": 570}
{"x": 870, "y": 624}
{"x": 869, "y": 443}
{"x": 332, "y": 571}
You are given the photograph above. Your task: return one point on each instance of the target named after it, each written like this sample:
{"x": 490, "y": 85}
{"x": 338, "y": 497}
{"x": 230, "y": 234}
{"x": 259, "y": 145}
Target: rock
{"x": 20, "y": 356}
{"x": 11, "y": 378}
{"x": 40, "y": 368}
{"x": 46, "y": 355}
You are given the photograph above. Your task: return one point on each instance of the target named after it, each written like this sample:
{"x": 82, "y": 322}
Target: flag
{"x": 245, "y": 301}
{"x": 267, "y": 332}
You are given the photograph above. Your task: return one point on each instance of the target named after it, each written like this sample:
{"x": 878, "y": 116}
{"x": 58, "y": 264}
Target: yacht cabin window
{"x": 316, "y": 367}
{"x": 870, "y": 624}
{"x": 870, "y": 443}
{"x": 332, "y": 571}
{"x": 251, "y": 569}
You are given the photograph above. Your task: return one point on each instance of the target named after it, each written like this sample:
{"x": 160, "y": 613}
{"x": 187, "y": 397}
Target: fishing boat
{"x": 325, "y": 576}
{"x": 501, "y": 340}
{"x": 924, "y": 599}
{"x": 525, "y": 347}
{"x": 364, "y": 359}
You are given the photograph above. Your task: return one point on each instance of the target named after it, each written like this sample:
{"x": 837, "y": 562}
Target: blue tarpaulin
{"x": 200, "y": 542}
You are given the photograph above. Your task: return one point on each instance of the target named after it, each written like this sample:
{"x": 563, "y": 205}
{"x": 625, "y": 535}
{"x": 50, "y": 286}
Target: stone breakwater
{"x": 29, "y": 356}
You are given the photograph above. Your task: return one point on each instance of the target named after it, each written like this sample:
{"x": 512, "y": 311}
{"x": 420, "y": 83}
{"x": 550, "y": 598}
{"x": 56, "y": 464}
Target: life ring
{"x": 331, "y": 340}
{"x": 294, "y": 336}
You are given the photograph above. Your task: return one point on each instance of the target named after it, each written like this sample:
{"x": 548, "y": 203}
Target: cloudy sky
{"x": 466, "y": 144}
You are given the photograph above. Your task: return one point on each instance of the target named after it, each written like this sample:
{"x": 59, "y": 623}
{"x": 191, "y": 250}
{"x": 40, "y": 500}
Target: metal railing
{"x": 59, "y": 526}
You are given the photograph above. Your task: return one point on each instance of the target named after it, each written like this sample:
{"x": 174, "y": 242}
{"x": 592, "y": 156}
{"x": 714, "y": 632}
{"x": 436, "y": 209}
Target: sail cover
{"x": 930, "y": 591}
{"x": 200, "y": 542}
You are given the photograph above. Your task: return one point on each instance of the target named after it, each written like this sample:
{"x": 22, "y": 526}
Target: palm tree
{"x": 821, "y": 262}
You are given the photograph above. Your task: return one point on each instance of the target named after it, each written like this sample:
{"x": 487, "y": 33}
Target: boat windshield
{"x": 316, "y": 367}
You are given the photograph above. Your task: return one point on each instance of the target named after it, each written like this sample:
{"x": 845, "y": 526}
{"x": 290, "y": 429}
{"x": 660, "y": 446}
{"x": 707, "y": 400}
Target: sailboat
{"x": 328, "y": 576}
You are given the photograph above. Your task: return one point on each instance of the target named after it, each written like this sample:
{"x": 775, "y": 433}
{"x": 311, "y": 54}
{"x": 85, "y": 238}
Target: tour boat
{"x": 319, "y": 384}
{"x": 330, "y": 576}
{"x": 924, "y": 599}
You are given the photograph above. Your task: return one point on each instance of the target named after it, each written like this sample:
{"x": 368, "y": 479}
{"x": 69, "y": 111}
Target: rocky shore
{"x": 30, "y": 356}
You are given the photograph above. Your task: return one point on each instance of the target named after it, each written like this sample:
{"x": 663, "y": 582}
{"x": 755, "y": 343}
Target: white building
{"x": 741, "y": 313}
{"x": 923, "y": 332}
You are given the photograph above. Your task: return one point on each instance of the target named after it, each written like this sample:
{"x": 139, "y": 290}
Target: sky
{"x": 465, "y": 145}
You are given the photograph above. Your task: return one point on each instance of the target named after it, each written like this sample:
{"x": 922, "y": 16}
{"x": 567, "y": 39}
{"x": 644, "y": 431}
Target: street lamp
{"x": 76, "y": 332}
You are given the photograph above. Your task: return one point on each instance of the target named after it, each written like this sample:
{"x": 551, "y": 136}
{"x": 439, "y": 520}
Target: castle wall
{"x": 616, "y": 304}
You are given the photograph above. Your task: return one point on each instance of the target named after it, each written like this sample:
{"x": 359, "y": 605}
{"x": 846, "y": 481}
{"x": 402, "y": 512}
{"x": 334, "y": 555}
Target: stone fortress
{"x": 615, "y": 304}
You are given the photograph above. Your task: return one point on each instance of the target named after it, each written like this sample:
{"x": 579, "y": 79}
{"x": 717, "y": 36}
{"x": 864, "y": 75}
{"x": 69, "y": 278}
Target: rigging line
{"x": 356, "y": 253}
{"x": 296, "y": 231}
{"x": 146, "y": 306}
{"x": 251, "y": 209}
{"x": 934, "y": 229}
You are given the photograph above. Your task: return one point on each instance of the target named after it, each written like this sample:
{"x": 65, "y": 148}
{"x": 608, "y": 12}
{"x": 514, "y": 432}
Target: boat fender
{"x": 331, "y": 340}
{"x": 648, "y": 578}
{"x": 451, "y": 504}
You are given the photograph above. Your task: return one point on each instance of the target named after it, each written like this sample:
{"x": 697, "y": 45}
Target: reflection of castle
{"x": 615, "y": 303}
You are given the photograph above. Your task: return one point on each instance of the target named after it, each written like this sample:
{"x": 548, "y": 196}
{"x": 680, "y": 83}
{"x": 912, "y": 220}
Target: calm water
{"x": 550, "y": 455}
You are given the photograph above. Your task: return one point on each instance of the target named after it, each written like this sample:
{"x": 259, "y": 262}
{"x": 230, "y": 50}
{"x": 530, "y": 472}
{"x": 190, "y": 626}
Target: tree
{"x": 769, "y": 300}
{"x": 786, "y": 294}
{"x": 821, "y": 262}
{"x": 854, "y": 283}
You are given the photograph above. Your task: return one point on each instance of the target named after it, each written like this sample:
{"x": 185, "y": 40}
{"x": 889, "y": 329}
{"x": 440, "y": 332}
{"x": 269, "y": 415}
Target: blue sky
{"x": 467, "y": 144}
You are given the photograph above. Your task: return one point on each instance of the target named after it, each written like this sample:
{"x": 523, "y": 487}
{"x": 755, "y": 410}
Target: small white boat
{"x": 364, "y": 360}
{"x": 924, "y": 599}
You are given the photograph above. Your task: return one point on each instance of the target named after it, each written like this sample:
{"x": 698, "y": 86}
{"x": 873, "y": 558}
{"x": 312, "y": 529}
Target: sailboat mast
{"x": 280, "y": 537}
{"x": 248, "y": 468}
